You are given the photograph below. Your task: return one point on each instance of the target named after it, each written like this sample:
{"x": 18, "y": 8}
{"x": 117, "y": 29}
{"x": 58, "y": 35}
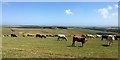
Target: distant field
{"x": 73, "y": 31}
{"x": 31, "y": 47}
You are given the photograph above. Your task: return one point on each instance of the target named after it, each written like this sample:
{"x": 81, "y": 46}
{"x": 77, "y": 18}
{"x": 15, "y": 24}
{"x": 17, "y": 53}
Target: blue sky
{"x": 60, "y": 13}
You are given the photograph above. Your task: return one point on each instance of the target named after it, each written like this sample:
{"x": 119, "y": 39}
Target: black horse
{"x": 117, "y": 37}
{"x": 13, "y": 35}
{"x": 104, "y": 37}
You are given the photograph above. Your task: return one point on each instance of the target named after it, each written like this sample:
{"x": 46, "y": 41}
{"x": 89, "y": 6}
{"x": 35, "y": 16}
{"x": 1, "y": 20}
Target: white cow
{"x": 61, "y": 36}
{"x": 110, "y": 39}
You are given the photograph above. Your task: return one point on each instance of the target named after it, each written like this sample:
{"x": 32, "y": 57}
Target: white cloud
{"x": 104, "y": 12}
{"x": 110, "y": 7}
{"x": 68, "y": 12}
{"x": 116, "y": 5}
{"x": 115, "y": 14}
{"x": 108, "y": 12}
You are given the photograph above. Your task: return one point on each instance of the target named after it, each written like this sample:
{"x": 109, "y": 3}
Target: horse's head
{"x": 66, "y": 38}
{"x": 74, "y": 35}
{"x": 83, "y": 36}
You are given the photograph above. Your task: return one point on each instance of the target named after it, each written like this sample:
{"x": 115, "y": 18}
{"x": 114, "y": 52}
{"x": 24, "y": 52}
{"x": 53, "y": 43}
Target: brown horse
{"x": 79, "y": 39}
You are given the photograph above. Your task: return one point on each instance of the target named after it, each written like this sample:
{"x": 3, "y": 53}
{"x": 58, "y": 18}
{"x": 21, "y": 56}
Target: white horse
{"x": 89, "y": 35}
{"x": 61, "y": 36}
{"x": 110, "y": 39}
{"x": 98, "y": 36}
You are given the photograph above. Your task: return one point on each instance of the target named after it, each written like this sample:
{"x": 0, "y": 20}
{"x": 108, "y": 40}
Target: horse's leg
{"x": 116, "y": 38}
{"x": 111, "y": 41}
{"x": 108, "y": 42}
{"x": 82, "y": 44}
{"x": 40, "y": 36}
{"x": 65, "y": 38}
{"x": 102, "y": 38}
{"x": 106, "y": 38}
{"x": 73, "y": 44}
{"x": 58, "y": 38}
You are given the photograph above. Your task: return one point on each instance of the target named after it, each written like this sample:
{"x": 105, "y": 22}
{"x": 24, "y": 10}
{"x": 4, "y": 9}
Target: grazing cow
{"x": 110, "y": 40}
{"x": 116, "y": 37}
{"x": 79, "y": 39}
{"x": 90, "y": 36}
{"x": 60, "y": 36}
{"x": 98, "y": 36}
{"x": 40, "y": 36}
{"x": 13, "y": 35}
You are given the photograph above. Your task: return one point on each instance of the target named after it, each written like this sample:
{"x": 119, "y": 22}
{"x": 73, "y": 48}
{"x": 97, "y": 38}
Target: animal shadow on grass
{"x": 74, "y": 46}
{"x": 71, "y": 46}
{"x": 80, "y": 46}
{"x": 105, "y": 45}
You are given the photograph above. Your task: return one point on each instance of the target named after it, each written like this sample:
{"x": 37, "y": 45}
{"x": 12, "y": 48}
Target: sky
{"x": 60, "y": 13}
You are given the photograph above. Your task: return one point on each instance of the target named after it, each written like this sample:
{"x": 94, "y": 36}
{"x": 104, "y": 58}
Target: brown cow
{"x": 79, "y": 39}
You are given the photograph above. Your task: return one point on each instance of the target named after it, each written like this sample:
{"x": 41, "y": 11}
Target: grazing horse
{"x": 116, "y": 37}
{"x": 43, "y": 36}
{"x": 13, "y": 35}
{"x": 50, "y": 35}
{"x": 5, "y": 35}
{"x": 30, "y": 35}
{"x": 55, "y": 35}
{"x": 110, "y": 40}
{"x": 104, "y": 37}
{"x": 90, "y": 36}
{"x": 40, "y": 36}
{"x": 62, "y": 37}
{"x": 79, "y": 39}
{"x": 98, "y": 36}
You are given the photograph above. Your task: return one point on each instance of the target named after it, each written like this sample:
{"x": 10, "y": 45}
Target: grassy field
{"x": 31, "y": 47}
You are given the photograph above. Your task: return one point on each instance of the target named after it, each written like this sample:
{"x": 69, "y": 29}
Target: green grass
{"x": 31, "y": 47}
{"x": 51, "y": 48}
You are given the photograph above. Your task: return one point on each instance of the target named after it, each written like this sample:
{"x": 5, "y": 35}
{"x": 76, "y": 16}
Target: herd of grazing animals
{"x": 82, "y": 38}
